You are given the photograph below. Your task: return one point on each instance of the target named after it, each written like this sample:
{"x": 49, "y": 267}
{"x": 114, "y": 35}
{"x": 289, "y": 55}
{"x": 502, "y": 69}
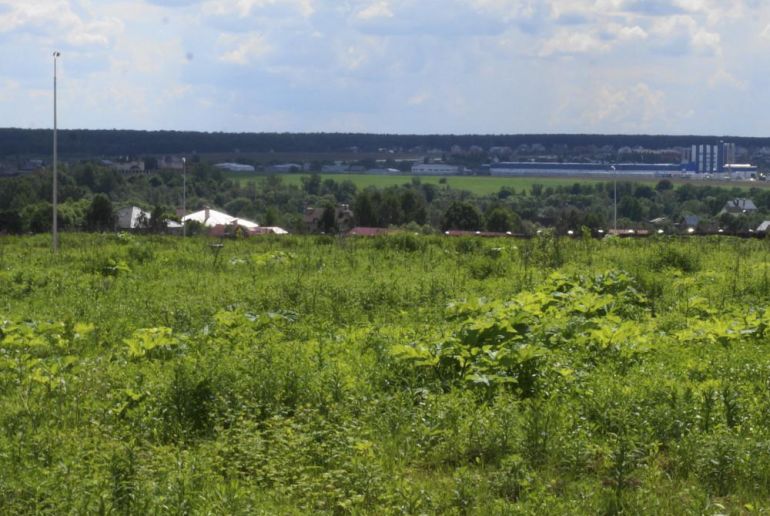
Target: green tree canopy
{"x": 462, "y": 215}
{"x": 100, "y": 215}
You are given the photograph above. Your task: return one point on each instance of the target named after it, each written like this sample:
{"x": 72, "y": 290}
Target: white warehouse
{"x": 435, "y": 169}
{"x": 234, "y": 167}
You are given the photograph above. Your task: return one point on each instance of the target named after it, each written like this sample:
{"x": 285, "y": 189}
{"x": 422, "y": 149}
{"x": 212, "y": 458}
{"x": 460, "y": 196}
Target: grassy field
{"x": 479, "y": 185}
{"x": 485, "y": 185}
{"x": 395, "y": 375}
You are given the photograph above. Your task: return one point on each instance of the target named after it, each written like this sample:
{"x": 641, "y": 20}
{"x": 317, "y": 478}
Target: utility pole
{"x": 615, "y": 198}
{"x": 55, "y": 232}
{"x": 184, "y": 196}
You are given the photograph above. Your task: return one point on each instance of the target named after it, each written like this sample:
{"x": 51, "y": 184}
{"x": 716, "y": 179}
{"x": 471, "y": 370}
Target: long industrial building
{"x": 524, "y": 168}
{"x": 701, "y": 159}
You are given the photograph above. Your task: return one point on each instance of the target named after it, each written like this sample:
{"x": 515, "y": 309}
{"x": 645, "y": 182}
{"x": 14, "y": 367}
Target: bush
{"x": 670, "y": 257}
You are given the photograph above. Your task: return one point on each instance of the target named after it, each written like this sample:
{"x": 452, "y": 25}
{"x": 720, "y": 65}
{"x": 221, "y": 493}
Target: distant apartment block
{"x": 712, "y": 158}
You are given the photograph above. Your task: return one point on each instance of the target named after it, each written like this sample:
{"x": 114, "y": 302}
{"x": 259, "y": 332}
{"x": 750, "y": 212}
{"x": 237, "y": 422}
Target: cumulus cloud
{"x": 683, "y": 35}
{"x": 568, "y": 42}
{"x": 246, "y": 8}
{"x": 51, "y": 18}
{"x": 724, "y": 78}
{"x": 243, "y": 49}
{"x": 375, "y": 10}
{"x": 638, "y": 106}
{"x": 448, "y": 18}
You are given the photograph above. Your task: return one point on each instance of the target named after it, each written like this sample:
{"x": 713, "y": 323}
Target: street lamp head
{"x": 57, "y": 53}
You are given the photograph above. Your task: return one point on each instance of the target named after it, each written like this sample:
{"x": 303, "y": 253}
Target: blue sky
{"x": 398, "y": 66}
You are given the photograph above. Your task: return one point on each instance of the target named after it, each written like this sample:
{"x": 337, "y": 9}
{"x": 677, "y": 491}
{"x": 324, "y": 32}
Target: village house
{"x": 738, "y": 206}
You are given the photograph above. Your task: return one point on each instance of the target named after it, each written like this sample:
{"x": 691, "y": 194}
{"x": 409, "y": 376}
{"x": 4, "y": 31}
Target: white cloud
{"x": 418, "y": 99}
{"x": 624, "y": 33}
{"x": 636, "y": 107}
{"x": 243, "y": 49}
{"x": 377, "y": 10}
{"x": 568, "y": 42}
{"x": 53, "y": 18}
{"x": 724, "y": 78}
{"x": 683, "y": 35}
{"x": 245, "y": 8}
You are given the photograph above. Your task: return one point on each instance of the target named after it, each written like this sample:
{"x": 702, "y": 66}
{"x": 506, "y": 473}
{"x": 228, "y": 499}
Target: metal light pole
{"x": 184, "y": 196}
{"x": 615, "y": 198}
{"x": 55, "y": 232}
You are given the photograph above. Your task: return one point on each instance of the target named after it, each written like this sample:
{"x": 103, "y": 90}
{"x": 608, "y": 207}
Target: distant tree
{"x": 271, "y": 217}
{"x": 595, "y": 219}
{"x": 38, "y": 217}
{"x": 10, "y": 222}
{"x": 364, "y": 210}
{"x": 100, "y": 216}
{"x": 429, "y": 191}
{"x": 502, "y": 219}
{"x": 312, "y": 184}
{"x": 413, "y": 207}
{"x": 461, "y": 215}
{"x": 328, "y": 186}
{"x": 644, "y": 192}
{"x": 631, "y": 208}
{"x": 505, "y": 192}
{"x": 238, "y": 206}
{"x": 86, "y": 176}
{"x": 663, "y": 185}
{"x": 105, "y": 181}
{"x": 158, "y": 218}
{"x": 328, "y": 221}
{"x": 346, "y": 191}
{"x": 568, "y": 219}
{"x": 390, "y": 212}
{"x": 687, "y": 192}
{"x": 734, "y": 223}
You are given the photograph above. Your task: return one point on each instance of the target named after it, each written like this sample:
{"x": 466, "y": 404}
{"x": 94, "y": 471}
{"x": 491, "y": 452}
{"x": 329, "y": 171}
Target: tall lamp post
{"x": 55, "y": 231}
{"x": 184, "y": 196}
{"x": 615, "y": 200}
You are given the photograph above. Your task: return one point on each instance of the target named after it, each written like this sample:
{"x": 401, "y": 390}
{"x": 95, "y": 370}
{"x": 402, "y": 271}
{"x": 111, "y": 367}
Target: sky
{"x": 389, "y": 66}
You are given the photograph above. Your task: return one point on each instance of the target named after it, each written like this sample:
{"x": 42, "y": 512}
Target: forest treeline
{"x": 82, "y": 142}
{"x": 91, "y": 194}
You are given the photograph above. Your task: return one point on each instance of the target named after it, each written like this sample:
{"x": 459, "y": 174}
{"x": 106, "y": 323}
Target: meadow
{"x": 478, "y": 185}
{"x": 395, "y": 375}
{"x": 488, "y": 185}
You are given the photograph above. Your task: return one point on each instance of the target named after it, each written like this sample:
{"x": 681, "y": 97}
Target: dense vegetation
{"x": 428, "y": 205}
{"x": 83, "y": 142}
{"x": 397, "y": 375}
